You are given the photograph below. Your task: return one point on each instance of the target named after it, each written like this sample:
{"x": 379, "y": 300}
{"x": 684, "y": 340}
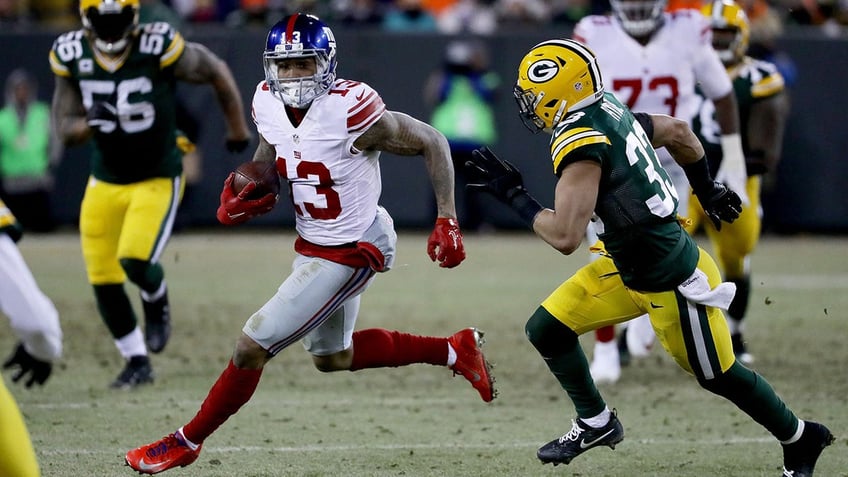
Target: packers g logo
{"x": 542, "y": 71}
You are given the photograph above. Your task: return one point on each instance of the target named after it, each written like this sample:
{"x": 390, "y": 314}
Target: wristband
{"x": 698, "y": 174}
{"x": 526, "y": 206}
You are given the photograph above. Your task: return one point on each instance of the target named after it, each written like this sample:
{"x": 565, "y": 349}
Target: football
{"x": 264, "y": 174}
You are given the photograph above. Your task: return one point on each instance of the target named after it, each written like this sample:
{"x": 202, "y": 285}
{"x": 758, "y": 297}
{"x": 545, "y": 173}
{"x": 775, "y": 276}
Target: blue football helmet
{"x": 300, "y": 36}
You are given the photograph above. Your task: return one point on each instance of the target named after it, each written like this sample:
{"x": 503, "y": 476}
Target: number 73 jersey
{"x": 140, "y": 85}
{"x": 659, "y": 77}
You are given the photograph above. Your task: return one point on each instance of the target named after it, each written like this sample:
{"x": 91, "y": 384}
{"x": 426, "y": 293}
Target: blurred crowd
{"x": 481, "y": 17}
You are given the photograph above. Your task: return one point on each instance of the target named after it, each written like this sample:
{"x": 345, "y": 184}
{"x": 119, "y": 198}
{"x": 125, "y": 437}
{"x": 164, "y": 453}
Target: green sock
{"x": 561, "y": 350}
{"x": 115, "y": 309}
{"x": 754, "y": 396}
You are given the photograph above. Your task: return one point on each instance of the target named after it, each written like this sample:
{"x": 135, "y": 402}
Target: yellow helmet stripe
{"x": 717, "y": 13}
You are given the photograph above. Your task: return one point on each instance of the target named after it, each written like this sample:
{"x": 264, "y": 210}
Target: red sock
{"x": 605, "y": 334}
{"x": 233, "y": 389}
{"x": 379, "y": 348}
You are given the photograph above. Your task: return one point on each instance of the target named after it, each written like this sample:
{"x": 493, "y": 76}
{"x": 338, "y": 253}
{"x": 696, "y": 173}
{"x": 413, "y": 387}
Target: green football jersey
{"x": 140, "y": 84}
{"x": 753, "y": 81}
{"x": 637, "y": 202}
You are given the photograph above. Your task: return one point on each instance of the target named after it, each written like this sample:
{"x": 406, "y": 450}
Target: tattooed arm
{"x": 401, "y": 134}
{"x": 199, "y": 65}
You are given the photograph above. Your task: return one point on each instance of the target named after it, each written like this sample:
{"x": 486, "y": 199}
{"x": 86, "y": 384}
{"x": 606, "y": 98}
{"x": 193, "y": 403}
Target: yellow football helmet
{"x": 730, "y": 30}
{"x": 555, "y": 77}
{"x": 111, "y": 22}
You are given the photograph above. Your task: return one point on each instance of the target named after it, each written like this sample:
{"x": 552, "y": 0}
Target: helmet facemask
{"x": 639, "y": 18}
{"x": 730, "y": 30}
{"x": 726, "y": 42}
{"x": 528, "y": 104}
{"x": 112, "y": 24}
{"x": 301, "y": 91}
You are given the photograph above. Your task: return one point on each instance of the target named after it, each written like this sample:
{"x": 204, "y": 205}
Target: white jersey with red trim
{"x": 659, "y": 77}
{"x": 334, "y": 187}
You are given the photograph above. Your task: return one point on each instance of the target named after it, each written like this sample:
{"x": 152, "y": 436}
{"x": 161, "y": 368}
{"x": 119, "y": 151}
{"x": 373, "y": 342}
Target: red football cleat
{"x": 470, "y": 362}
{"x": 169, "y": 452}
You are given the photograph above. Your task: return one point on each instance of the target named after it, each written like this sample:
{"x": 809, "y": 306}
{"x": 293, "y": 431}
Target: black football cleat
{"x": 136, "y": 372}
{"x": 799, "y": 458}
{"x": 579, "y": 439}
{"x": 157, "y": 323}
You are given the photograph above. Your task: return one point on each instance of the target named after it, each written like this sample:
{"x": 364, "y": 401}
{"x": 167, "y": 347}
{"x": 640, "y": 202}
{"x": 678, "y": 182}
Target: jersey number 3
{"x": 641, "y": 154}
{"x": 306, "y": 194}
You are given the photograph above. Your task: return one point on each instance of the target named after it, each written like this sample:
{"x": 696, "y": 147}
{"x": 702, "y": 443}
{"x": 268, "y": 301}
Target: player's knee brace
{"x": 549, "y": 335}
{"x": 148, "y": 276}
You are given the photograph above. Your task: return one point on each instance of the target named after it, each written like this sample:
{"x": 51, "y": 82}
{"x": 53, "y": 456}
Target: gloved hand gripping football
{"x": 236, "y": 208}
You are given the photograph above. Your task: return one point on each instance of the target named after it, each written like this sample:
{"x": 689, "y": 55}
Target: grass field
{"x": 420, "y": 421}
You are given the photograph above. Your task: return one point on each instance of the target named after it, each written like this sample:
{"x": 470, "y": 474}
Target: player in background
{"x": 116, "y": 83}
{"x": 326, "y": 134}
{"x": 605, "y": 161}
{"x": 763, "y": 109}
{"x": 652, "y": 61}
{"x": 35, "y": 322}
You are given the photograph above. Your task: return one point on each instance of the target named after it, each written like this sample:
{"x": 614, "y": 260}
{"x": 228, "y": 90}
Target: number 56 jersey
{"x": 334, "y": 187}
{"x": 141, "y": 86}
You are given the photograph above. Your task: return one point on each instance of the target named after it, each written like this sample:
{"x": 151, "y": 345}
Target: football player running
{"x": 35, "y": 322}
{"x": 652, "y": 61}
{"x": 325, "y": 134}
{"x": 116, "y": 83}
{"x": 605, "y": 160}
{"x": 763, "y": 109}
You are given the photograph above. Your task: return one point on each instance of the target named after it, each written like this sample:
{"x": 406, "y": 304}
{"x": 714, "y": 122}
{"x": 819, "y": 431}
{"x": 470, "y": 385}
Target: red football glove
{"x": 237, "y": 209}
{"x": 447, "y": 238}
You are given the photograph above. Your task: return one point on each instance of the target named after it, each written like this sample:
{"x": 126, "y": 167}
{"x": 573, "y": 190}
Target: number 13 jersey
{"x": 334, "y": 187}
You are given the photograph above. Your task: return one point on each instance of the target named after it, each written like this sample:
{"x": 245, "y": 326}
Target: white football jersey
{"x": 659, "y": 77}
{"x": 334, "y": 187}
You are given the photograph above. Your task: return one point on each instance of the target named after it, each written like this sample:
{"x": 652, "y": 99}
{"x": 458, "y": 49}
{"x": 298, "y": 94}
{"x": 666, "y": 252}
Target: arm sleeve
{"x": 647, "y": 123}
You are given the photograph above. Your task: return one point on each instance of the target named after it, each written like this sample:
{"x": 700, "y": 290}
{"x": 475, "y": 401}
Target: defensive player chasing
{"x": 653, "y": 62}
{"x": 604, "y": 158}
{"x": 325, "y": 135}
{"x": 35, "y": 322}
{"x": 763, "y": 108}
{"x": 116, "y": 82}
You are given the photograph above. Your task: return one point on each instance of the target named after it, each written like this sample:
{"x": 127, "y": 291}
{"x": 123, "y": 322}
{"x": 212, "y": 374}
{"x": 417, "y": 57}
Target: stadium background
{"x": 808, "y": 194}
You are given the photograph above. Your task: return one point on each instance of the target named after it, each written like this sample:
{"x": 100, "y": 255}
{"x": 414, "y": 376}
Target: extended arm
{"x": 574, "y": 202}
{"x": 732, "y": 170}
{"x": 766, "y": 124}
{"x": 401, "y": 134}
{"x": 719, "y": 202}
{"x": 199, "y": 65}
